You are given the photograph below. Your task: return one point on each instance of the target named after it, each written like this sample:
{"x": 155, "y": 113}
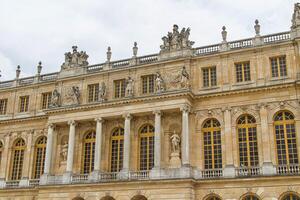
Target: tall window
{"x": 17, "y": 159}
{"x": 23, "y": 103}
{"x": 290, "y": 196}
{"x": 146, "y": 147}
{"x": 278, "y": 66}
{"x": 120, "y": 88}
{"x": 3, "y": 106}
{"x": 247, "y": 139}
{"x": 209, "y": 77}
{"x": 148, "y": 84}
{"x": 88, "y": 152}
{"x": 39, "y": 157}
{"x": 93, "y": 91}
{"x": 212, "y": 144}
{"x": 117, "y": 145}
{"x": 285, "y": 133}
{"x": 250, "y": 197}
{"x": 242, "y": 71}
{"x": 46, "y": 100}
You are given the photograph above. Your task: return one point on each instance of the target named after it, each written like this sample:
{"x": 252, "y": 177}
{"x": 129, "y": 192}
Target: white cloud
{"x": 35, "y": 30}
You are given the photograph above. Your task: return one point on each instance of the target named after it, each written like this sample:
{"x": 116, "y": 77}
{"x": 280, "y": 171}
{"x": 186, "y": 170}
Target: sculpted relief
{"x": 71, "y": 95}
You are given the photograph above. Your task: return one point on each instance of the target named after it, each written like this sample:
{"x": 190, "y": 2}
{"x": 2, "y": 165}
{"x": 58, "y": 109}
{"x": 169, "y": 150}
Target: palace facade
{"x": 207, "y": 123}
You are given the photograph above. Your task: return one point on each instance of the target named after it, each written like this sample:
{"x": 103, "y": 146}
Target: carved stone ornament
{"x": 64, "y": 151}
{"x": 72, "y": 96}
{"x": 176, "y": 41}
{"x": 296, "y": 16}
{"x": 175, "y": 143}
{"x": 55, "y": 99}
{"x": 75, "y": 59}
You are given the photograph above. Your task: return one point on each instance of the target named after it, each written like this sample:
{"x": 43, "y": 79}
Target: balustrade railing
{"x": 120, "y": 63}
{"x": 207, "y": 49}
{"x": 95, "y": 68}
{"x": 277, "y": 37}
{"x": 12, "y": 184}
{"x": 139, "y": 175}
{"x": 79, "y": 178}
{"x": 212, "y": 173}
{"x": 248, "y": 171}
{"x": 108, "y": 176}
{"x": 148, "y": 59}
{"x": 34, "y": 182}
{"x": 241, "y": 44}
{"x": 6, "y": 84}
{"x": 26, "y": 81}
{"x": 49, "y": 77}
{"x": 288, "y": 169}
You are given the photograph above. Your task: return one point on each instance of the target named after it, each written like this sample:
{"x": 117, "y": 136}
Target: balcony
{"x": 288, "y": 169}
{"x": 248, "y": 171}
{"x": 211, "y": 173}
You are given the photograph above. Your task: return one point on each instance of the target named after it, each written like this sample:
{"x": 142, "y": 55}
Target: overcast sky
{"x": 43, "y": 30}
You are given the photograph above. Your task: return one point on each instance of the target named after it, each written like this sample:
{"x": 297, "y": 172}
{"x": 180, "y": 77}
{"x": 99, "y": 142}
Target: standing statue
{"x": 159, "y": 83}
{"x": 75, "y": 94}
{"x": 296, "y": 16}
{"x": 129, "y": 87}
{"x": 102, "y": 92}
{"x": 184, "y": 78}
{"x": 55, "y": 99}
{"x": 175, "y": 140}
{"x": 64, "y": 151}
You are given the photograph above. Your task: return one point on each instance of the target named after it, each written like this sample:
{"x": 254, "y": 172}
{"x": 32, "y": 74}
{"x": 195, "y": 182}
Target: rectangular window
{"x": 3, "y": 106}
{"x": 242, "y": 71}
{"x": 278, "y": 66}
{"x": 93, "y": 91}
{"x": 209, "y": 76}
{"x": 23, "y": 104}
{"x": 148, "y": 84}
{"x": 120, "y": 88}
{"x": 46, "y": 100}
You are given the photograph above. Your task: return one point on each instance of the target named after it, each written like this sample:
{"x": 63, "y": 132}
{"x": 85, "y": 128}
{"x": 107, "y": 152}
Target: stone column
{"x": 229, "y": 170}
{"x": 4, "y": 161}
{"x": 126, "y": 154}
{"x": 185, "y": 143}
{"x": 98, "y": 149}
{"x": 70, "y": 157}
{"x": 268, "y": 167}
{"x": 157, "y": 140}
{"x": 48, "y": 156}
{"x": 27, "y": 154}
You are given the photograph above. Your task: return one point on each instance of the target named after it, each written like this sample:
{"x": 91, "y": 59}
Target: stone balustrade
{"x": 248, "y": 171}
{"x": 288, "y": 169}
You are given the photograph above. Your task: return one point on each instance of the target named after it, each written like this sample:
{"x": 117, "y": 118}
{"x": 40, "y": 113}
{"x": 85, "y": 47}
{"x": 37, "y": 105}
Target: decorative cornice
{"x": 7, "y": 121}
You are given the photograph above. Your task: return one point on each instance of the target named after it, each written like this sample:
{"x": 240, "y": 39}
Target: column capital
{"x": 51, "y": 125}
{"x": 186, "y": 108}
{"x": 157, "y": 112}
{"x": 224, "y": 109}
{"x": 127, "y": 116}
{"x": 99, "y": 119}
{"x": 72, "y": 123}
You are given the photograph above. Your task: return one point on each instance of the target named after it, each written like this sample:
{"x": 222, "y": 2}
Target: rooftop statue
{"x": 296, "y": 16}
{"x": 75, "y": 59}
{"x": 177, "y": 41}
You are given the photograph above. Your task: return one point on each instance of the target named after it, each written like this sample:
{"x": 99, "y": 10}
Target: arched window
{"x": 250, "y": 197}
{"x": 146, "y": 137}
{"x": 212, "y": 144}
{"x": 247, "y": 139}
{"x": 39, "y": 157}
{"x": 290, "y": 196}
{"x": 88, "y": 152}
{"x": 212, "y": 197}
{"x": 17, "y": 159}
{"x": 117, "y": 145}
{"x": 139, "y": 197}
{"x": 285, "y": 133}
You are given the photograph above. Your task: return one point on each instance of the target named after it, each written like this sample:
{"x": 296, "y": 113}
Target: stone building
{"x": 214, "y": 122}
